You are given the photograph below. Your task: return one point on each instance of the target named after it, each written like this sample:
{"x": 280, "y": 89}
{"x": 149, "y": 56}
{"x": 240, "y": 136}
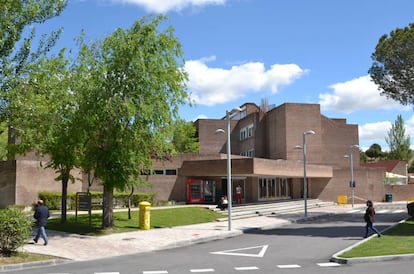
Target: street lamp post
{"x": 229, "y": 115}
{"x": 352, "y": 183}
{"x": 305, "y": 185}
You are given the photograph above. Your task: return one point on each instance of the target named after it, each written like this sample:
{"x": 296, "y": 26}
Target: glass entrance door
{"x": 273, "y": 188}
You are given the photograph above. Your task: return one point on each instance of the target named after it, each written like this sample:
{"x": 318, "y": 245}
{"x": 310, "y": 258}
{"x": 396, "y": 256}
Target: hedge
{"x": 53, "y": 200}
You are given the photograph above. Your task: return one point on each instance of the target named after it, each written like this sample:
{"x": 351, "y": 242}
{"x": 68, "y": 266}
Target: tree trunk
{"x": 129, "y": 202}
{"x": 108, "y": 204}
{"x": 65, "y": 180}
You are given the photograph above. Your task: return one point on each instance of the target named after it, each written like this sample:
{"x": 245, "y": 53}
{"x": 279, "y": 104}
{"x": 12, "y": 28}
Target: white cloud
{"x": 211, "y": 86}
{"x": 163, "y": 6}
{"x": 371, "y": 133}
{"x": 357, "y": 94}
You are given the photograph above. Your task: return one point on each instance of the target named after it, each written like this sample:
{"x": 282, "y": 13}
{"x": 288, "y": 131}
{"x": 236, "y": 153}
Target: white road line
{"x": 242, "y": 268}
{"x": 236, "y": 252}
{"x": 288, "y": 266}
{"x": 328, "y": 264}
{"x": 201, "y": 270}
{"x": 400, "y": 211}
{"x": 106, "y": 272}
{"x": 155, "y": 272}
{"x": 383, "y": 211}
{"x": 354, "y": 211}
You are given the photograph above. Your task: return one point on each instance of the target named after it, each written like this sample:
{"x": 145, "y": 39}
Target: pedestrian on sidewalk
{"x": 41, "y": 215}
{"x": 239, "y": 196}
{"x": 369, "y": 218}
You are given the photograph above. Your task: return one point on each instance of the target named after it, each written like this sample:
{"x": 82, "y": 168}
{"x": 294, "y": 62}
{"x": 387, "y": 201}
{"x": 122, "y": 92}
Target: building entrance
{"x": 274, "y": 188}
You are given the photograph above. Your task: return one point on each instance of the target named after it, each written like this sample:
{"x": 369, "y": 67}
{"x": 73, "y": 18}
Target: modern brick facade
{"x": 265, "y": 162}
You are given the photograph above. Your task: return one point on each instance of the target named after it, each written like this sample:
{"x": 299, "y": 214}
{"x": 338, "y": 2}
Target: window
{"x": 170, "y": 172}
{"x": 159, "y": 172}
{"x": 246, "y": 132}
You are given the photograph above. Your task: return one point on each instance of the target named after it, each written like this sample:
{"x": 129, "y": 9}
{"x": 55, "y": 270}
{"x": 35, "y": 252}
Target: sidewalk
{"x": 79, "y": 248}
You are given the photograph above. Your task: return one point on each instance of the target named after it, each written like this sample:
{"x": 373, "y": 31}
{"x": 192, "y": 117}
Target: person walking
{"x": 369, "y": 218}
{"x": 41, "y": 215}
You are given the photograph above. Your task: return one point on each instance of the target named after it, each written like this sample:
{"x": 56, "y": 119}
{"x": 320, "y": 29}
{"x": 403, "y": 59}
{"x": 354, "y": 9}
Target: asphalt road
{"x": 304, "y": 247}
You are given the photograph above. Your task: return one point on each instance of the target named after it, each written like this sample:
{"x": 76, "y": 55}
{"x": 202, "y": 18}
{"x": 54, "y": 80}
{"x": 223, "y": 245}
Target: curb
{"x": 21, "y": 266}
{"x": 403, "y": 257}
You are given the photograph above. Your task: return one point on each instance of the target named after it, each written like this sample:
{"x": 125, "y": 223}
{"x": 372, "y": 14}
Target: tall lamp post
{"x": 305, "y": 185}
{"x": 229, "y": 116}
{"x": 352, "y": 182}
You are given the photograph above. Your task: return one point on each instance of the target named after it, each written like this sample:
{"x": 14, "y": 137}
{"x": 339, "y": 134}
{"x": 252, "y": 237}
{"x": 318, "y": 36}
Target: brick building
{"x": 266, "y": 163}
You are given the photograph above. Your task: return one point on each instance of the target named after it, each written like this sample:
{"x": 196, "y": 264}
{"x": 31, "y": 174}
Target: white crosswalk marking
{"x": 202, "y": 270}
{"x": 106, "y": 273}
{"x": 242, "y": 268}
{"x": 155, "y": 272}
{"x": 288, "y": 266}
{"x": 383, "y": 211}
{"x": 328, "y": 264}
{"x": 400, "y": 211}
{"x": 354, "y": 211}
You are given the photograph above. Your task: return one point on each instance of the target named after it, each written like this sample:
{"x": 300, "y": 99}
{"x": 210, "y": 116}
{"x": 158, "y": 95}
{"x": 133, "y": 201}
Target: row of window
{"x": 246, "y": 132}
{"x": 163, "y": 172}
{"x": 249, "y": 153}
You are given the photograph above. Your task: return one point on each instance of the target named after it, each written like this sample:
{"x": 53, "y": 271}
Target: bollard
{"x": 144, "y": 215}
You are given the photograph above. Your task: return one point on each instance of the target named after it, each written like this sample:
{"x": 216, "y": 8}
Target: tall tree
{"x": 393, "y": 65}
{"x": 184, "y": 137}
{"x": 43, "y": 108}
{"x": 398, "y": 141}
{"x": 133, "y": 84}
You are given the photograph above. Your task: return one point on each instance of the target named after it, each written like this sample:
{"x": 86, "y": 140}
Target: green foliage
{"x": 131, "y": 85}
{"x": 53, "y": 199}
{"x": 375, "y": 152}
{"x": 398, "y": 142}
{"x": 14, "y": 230}
{"x": 184, "y": 137}
{"x": 393, "y": 65}
{"x": 15, "y": 49}
{"x": 3, "y": 141}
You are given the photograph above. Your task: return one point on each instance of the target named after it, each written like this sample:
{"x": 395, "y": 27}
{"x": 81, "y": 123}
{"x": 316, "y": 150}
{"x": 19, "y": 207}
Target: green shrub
{"x": 53, "y": 200}
{"x": 14, "y": 230}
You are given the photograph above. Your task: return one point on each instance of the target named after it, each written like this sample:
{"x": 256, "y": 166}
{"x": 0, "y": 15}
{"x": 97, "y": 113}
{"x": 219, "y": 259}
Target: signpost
{"x": 83, "y": 203}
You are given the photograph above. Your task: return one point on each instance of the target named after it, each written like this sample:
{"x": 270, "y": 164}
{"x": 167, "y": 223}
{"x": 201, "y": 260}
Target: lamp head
{"x": 220, "y": 131}
{"x": 309, "y": 132}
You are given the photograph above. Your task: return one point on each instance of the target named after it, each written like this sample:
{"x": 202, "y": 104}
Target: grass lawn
{"x": 396, "y": 241}
{"x": 22, "y": 257}
{"x": 159, "y": 218}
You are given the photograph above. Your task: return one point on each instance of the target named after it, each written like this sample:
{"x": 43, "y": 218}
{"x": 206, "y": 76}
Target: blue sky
{"x": 297, "y": 51}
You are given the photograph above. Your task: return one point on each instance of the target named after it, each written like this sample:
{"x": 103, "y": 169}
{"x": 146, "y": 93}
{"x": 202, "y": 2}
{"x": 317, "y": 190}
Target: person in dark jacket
{"x": 370, "y": 219}
{"x": 41, "y": 215}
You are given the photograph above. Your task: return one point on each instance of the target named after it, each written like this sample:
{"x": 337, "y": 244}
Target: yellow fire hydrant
{"x": 144, "y": 215}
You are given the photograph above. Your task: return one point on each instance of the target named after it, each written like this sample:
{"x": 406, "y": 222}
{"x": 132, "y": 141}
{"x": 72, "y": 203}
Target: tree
{"x": 15, "y": 17}
{"x": 43, "y": 108}
{"x": 184, "y": 137}
{"x": 133, "y": 83}
{"x": 393, "y": 65}
{"x": 374, "y": 152}
{"x": 398, "y": 142}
